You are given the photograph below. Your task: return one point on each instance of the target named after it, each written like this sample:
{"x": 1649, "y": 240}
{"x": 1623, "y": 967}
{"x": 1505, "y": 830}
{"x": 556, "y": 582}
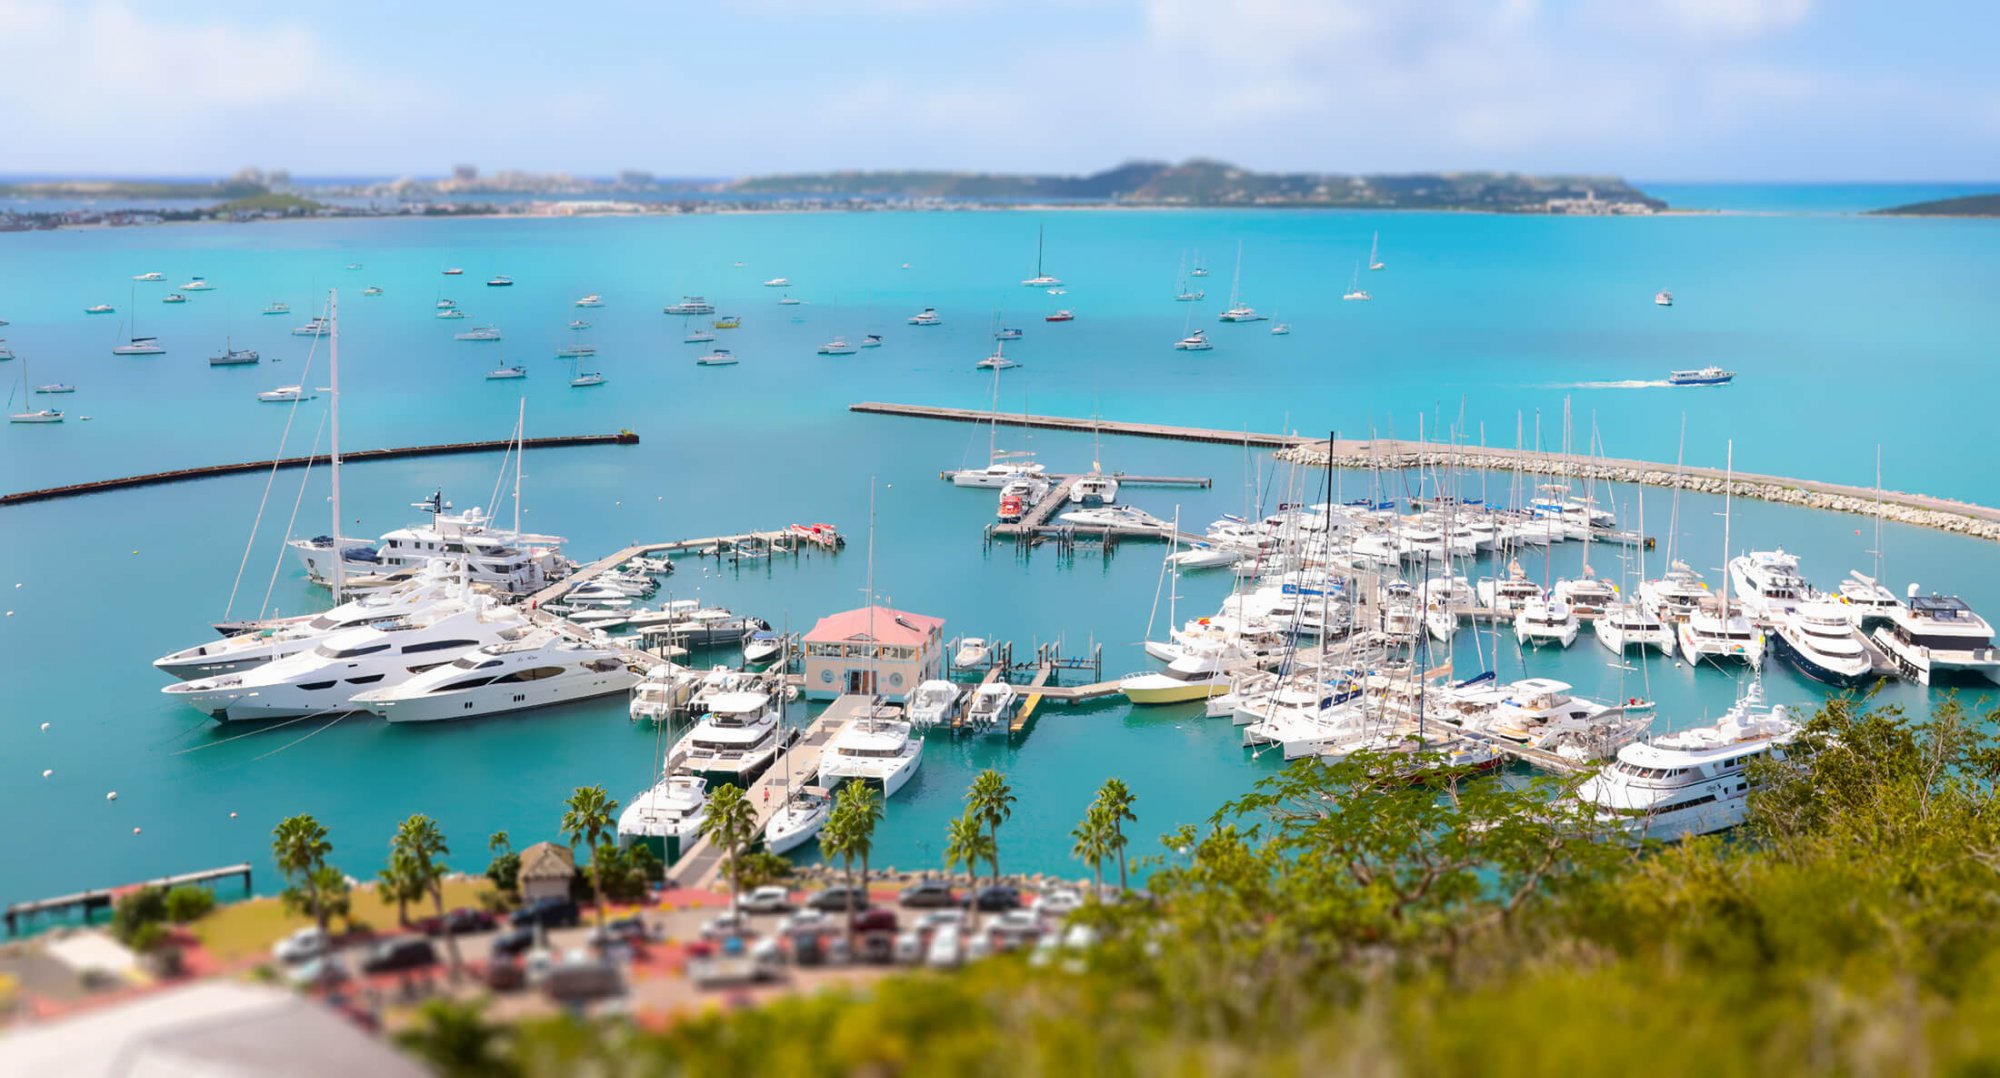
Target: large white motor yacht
{"x": 325, "y": 679}
{"x": 1689, "y": 782}
{"x": 1938, "y": 635}
{"x": 878, "y": 748}
{"x": 667, "y": 817}
{"x": 509, "y": 561}
{"x": 1769, "y": 583}
{"x": 736, "y": 739}
{"x": 1819, "y": 638}
{"x": 1869, "y": 602}
{"x": 241, "y": 651}
{"x": 543, "y": 667}
{"x": 1546, "y": 621}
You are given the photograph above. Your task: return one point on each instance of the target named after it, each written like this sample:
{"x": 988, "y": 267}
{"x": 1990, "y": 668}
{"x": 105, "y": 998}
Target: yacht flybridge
{"x": 1822, "y": 641}
{"x": 540, "y": 668}
{"x": 511, "y": 561}
{"x": 1936, "y": 636}
{"x": 878, "y": 747}
{"x": 736, "y": 740}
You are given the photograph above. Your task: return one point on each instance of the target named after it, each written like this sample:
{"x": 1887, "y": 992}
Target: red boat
{"x": 1011, "y": 508}
{"x": 820, "y": 535}
{"x": 1063, "y": 315}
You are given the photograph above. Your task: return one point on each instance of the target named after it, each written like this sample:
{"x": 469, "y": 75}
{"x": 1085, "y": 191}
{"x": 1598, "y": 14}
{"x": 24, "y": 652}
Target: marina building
{"x": 873, "y": 650}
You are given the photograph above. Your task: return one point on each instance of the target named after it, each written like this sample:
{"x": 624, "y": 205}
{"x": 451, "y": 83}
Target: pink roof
{"x": 891, "y": 627}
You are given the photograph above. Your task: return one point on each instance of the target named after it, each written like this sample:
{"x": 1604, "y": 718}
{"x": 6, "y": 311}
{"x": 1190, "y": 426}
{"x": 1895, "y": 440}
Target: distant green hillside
{"x": 1967, "y": 206}
{"x": 132, "y": 189}
{"x": 269, "y": 201}
{"x": 1215, "y": 183}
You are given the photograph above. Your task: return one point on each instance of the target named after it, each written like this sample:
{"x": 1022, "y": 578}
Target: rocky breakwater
{"x": 1923, "y": 510}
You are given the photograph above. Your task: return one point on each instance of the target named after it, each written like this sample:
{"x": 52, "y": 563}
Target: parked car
{"x": 548, "y": 913}
{"x": 806, "y": 920}
{"x": 837, "y": 951}
{"x": 1013, "y": 929}
{"x": 305, "y": 944}
{"x": 836, "y": 899}
{"x": 997, "y": 897}
{"x": 456, "y": 922}
{"x": 401, "y": 953}
{"x": 1059, "y": 902}
{"x": 576, "y": 979}
{"x": 514, "y": 942}
{"x": 936, "y": 919}
{"x": 909, "y": 947}
{"x": 727, "y": 925}
{"x": 945, "y": 950}
{"x": 324, "y": 970}
{"x": 808, "y": 947}
{"x": 629, "y": 929}
{"x": 766, "y": 900}
{"x": 928, "y": 894}
{"x": 875, "y": 921}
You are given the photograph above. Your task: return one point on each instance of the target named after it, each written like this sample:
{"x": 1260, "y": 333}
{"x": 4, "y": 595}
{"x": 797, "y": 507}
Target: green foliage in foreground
{"x": 1342, "y": 919}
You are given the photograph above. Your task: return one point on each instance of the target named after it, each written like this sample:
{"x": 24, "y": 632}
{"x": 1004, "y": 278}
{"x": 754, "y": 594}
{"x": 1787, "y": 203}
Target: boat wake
{"x": 1628, "y": 383}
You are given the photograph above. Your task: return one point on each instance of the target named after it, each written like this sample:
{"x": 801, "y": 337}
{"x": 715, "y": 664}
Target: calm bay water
{"x": 1848, "y": 332}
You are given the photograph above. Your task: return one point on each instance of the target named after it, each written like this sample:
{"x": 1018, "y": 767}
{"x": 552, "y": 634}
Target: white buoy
{"x": 112, "y": 796}
{"x": 232, "y": 815}
{"x": 46, "y": 772}
{"x": 45, "y": 726}
{"x": 135, "y": 830}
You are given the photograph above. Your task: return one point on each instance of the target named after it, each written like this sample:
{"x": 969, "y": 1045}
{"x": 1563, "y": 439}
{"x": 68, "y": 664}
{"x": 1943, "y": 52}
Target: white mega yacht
{"x": 1938, "y": 635}
{"x": 1689, "y": 782}
{"x": 879, "y": 748}
{"x": 1821, "y": 640}
{"x": 736, "y": 740}
{"x": 1769, "y": 582}
{"x": 325, "y": 679}
{"x": 667, "y": 817}
{"x": 241, "y": 651}
{"x": 511, "y": 561}
{"x": 541, "y": 668}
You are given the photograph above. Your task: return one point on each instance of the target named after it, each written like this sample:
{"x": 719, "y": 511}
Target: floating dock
{"x": 182, "y": 475}
{"x": 701, "y": 866}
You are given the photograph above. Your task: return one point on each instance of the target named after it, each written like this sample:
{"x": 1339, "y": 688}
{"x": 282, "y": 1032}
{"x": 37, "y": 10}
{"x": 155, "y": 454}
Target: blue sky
{"x": 1659, "y": 89}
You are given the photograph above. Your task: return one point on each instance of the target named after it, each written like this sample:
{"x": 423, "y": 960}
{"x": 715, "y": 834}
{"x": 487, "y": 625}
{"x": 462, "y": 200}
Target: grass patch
{"x": 249, "y": 928}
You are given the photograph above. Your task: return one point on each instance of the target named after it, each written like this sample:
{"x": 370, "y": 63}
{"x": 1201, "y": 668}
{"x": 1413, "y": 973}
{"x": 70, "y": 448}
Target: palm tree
{"x": 731, "y": 823}
{"x": 837, "y": 838}
{"x": 587, "y": 818}
{"x": 992, "y": 801}
{"x": 419, "y": 842}
{"x": 398, "y": 881}
{"x": 1117, "y": 800}
{"x": 966, "y": 842}
{"x": 863, "y": 807}
{"x": 1094, "y": 842}
{"x": 299, "y": 846}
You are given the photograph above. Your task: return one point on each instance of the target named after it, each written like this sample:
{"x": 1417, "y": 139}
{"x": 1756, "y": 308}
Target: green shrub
{"x": 189, "y": 902}
{"x": 144, "y": 907}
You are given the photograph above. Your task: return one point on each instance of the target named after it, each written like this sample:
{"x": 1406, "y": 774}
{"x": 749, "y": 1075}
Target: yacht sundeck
{"x": 1689, "y": 782}
{"x": 736, "y": 740}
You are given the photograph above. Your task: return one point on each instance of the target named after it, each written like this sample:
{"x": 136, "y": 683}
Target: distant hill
{"x": 1965, "y": 206}
{"x": 1215, "y": 183}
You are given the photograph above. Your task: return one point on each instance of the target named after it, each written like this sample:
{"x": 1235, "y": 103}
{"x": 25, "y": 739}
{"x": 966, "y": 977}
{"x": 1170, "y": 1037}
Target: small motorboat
{"x": 1007, "y": 333}
{"x": 972, "y": 651}
{"x": 500, "y": 281}
{"x": 102, "y": 308}
{"x": 1706, "y": 376}
{"x": 576, "y": 351}
{"x": 777, "y": 282}
{"x": 506, "y": 372}
{"x": 199, "y": 284}
{"x": 788, "y": 301}
{"x": 592, "y": 300}
{"x": 1012, "y": 508}
{"x": 286, "y": 394}
{"x": 451, "y": 312}
{"x": 721, "y": 357}
{"x": 446, "y": 304}
{"x": 578, "y": 323}
{"x": 1194, "y": 342}
{"x": 154, "y": 276}
{"x": 278, "y": 307}
{"x": 56, "y": 387}
{"x": 453, "y": 271}
{"x": 173, "y": 297}
{"x": 1064, "y": 315}
{"x": 1663, "y": 298}
{"x": 728, "y": 321}
{"x": 837, "y": 347}
{"x": 372, "y": 290}
{"x": 587, "y": 378}
{"x": 761, "y": 647}
{"x": 873, "y": 340}
{"x": 926, "y": 317}
{"x": 1282, "y": 329}
{"x": 700, "y": 336}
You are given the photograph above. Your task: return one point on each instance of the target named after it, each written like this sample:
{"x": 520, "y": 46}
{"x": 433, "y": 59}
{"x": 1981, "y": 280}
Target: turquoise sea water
{"x": 1849, "y": 333}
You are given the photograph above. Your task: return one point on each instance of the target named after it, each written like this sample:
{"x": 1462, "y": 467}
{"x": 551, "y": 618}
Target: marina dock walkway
{"x": 612, "y": 561}
{"x": 702, "y": 865}
{"x": 1945, "y": 514}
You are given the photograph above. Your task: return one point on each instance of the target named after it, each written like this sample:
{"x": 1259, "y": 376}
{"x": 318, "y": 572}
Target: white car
{"x": 945, "y": 949}
{"x": 766, "y": 900}
{"x": 1060, "y": 902}
{"x": 818, "y": 920}
{"x": 726, "y": 924}
{"x": 909, "y": 947}
{"x": 301, "y": 946}
{"x": 938, "y": 919}
{"x": 1016, "y": 921}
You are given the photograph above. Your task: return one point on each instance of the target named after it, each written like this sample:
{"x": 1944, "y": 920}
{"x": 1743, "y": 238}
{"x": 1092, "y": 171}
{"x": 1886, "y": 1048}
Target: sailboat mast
{"x": 1728, "y": 491}
{"x": 333, "y": 456}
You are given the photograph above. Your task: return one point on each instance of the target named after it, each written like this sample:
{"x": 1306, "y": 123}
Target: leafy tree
{"x": 137, "y": 910}
{"x": 456, "y": 1041}
{"x": 329, "y": 887}
{"x": 421, "y": 844}
{"x": 504, "y": 871}
{"x": 299, "y": 845}
{"x": 1117, "y": 800}
{"x": 731, "y": 823}
{"x": 626, "y": 874}
{"x": 189, "y": 902}
{"x": 398, "y": 882}
{"x": 761, "y": 867}
{"x": 967, "y": 843}
{"x": 1094, "y": 841}
{"x": 991, "y": 799}
{"x": 588, "y": 816}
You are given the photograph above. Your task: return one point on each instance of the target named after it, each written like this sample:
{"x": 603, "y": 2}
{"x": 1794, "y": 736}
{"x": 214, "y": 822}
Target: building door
{"x": 861, "y": 682}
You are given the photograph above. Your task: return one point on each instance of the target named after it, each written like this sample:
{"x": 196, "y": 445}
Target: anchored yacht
{"x": 510, "y": 561}
{"x": 926, "y": 317}
{"x": 799, "y": 820}
{"x": 690, "y": 305}
{"x": 1822, "y": 641}
{"x": 541, "y": 668}
{"x": 1628, "y": 624}
{"x": 667, "y": 817}
{"x": 736, "y": 740}
{"x": 1689, "y": 782}
{"x": 1769, "y": 583}
{"x": 1938, "y": 635}
{"x": 1194, "y": 342}
{"x": 1546, "y": 621}
{"x": 879, "y": 748}
{"x": 934, "y": 703}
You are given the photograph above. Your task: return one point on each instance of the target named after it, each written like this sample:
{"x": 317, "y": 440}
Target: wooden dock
{"x": 707, "y": 544}
{"x": 1034, "y": 524}
{"x": 182, "y": 475}
{"x": 102, "y": 898}
{"x": 701, "y": 866}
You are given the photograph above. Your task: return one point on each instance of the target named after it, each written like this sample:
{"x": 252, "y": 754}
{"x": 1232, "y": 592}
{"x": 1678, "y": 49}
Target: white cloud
{"x": 1733, "y": 18}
